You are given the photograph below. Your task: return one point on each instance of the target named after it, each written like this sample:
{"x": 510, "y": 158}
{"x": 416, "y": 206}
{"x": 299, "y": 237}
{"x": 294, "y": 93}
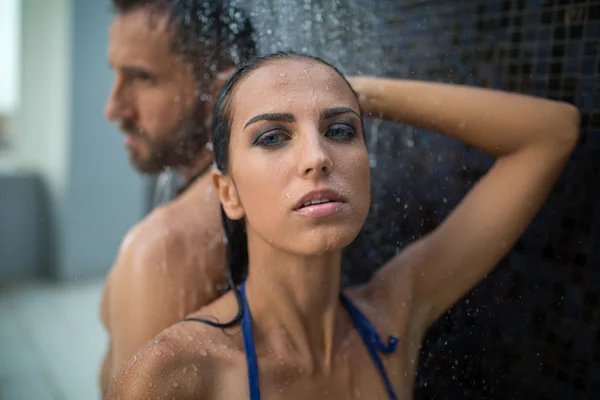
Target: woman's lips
{"x": 321, "y": 210}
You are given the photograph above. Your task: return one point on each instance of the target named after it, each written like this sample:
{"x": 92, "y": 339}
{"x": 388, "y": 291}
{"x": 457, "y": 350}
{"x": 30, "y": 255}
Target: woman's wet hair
{"x": 235, "y": 230}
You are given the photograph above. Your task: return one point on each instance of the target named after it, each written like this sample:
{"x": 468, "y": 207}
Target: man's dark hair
{"x": 210, "y": 34}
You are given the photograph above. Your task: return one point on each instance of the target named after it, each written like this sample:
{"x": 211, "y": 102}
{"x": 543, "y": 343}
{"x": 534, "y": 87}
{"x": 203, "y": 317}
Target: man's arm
{"x": 160, "y": 277}
{"x": 105, "y": 371}
{"x": 105, "y": 374}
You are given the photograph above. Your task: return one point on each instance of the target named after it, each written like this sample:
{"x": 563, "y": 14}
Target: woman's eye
{"x": 341, "y": 131}
{"x": 271, "y": 139}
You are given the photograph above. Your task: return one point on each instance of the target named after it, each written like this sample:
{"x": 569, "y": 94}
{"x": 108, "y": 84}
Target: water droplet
{"x": 157, "y": 353}
{"x": 203, "y": 352}
{"x": 185, "y": 370}
{"x": 195, "y": 367}
{"x": 282, "y": 74}
{"x": 175, "y": 383}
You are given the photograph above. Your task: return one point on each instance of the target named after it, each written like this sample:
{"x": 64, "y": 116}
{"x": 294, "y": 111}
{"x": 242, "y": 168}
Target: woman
{"x": 293, "y": 182}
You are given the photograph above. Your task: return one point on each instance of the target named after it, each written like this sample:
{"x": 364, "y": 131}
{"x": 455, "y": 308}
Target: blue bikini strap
{"x": 251, "y": 360}
{"x": 372, "y": 340}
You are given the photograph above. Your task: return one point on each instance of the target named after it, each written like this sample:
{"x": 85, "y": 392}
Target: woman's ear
{"x": 228, "y": 195}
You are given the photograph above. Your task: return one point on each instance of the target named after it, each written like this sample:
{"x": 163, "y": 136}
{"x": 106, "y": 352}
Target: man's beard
{"x": 180, "y": 147}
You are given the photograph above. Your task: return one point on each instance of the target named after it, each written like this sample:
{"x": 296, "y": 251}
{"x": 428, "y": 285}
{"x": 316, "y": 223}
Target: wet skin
{"x": 304, "y": 339}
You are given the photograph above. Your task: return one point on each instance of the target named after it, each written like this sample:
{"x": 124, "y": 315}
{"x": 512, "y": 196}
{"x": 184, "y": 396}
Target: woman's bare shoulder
{"x": 176, "y": 364}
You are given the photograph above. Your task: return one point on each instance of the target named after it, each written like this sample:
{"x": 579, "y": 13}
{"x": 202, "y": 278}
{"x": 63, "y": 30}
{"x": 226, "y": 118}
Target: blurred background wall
{"x": 67, "y": 193}
{"x": 67, "y": 196}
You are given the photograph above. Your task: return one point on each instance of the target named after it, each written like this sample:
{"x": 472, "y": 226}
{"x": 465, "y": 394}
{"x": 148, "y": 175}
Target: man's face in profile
{"x": 154, "y": 93}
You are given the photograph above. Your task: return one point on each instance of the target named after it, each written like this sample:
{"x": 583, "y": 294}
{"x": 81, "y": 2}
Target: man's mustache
{"x": 132, "y": 129}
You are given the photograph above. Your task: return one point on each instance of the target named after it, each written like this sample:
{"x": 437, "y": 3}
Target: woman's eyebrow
{"x": 332, "y": 112}
{"x": 288, "y": 117}
{"x": 278, "y": 117}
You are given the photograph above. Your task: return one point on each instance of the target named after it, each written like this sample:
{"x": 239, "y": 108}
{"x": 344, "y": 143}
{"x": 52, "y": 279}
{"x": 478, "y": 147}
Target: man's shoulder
{"x": 164, "y": 225}
{"x": 171, "y": 236}
{"x": 155, "y": 238}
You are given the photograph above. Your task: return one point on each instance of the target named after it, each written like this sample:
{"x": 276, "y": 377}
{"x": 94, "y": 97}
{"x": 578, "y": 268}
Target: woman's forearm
{"x": 497, "y": 122}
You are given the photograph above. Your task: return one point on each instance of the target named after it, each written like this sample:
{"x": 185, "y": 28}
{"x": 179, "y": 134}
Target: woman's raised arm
{"x": 530, "y": 137}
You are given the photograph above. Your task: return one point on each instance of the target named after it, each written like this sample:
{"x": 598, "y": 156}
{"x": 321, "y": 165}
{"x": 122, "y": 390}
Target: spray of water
{"x": 343, "y": 32}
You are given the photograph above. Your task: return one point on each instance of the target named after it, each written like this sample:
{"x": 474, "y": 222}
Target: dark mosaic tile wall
{"x": 531, "y": 330}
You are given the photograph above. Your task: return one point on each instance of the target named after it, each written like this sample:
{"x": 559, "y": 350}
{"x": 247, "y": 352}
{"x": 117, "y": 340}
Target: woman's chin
{"x": 318, "y": 245}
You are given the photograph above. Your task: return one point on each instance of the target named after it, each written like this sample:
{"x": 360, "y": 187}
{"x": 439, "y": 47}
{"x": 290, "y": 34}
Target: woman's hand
{"x": 365, "y": 87}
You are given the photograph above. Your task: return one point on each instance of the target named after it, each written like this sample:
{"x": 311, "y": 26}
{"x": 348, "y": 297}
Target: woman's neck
{"x": 294, "y": 301}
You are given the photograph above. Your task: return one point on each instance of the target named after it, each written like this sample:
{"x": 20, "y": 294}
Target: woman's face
{"x": 296, "y": 140}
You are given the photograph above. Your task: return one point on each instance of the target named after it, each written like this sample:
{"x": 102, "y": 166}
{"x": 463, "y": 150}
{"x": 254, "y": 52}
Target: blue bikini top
{"x": 367, "y": 332}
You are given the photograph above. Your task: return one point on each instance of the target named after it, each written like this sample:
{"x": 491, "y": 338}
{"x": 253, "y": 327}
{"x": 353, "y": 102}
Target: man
{"x": 170, "y": 58}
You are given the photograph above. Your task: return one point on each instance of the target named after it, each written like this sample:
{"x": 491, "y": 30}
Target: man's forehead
{"x": 145, "y": 17}
{"x": 140, "y": 29}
